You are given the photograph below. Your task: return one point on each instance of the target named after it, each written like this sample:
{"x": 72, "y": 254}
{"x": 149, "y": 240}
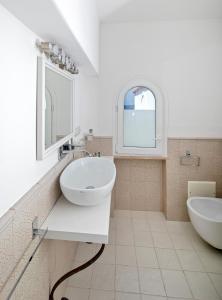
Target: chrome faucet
{"x": 97, "y": 154}
{"x": 61, "y": 153}
{"x": 64, "y": 149}
{"x": 88, "y": 154}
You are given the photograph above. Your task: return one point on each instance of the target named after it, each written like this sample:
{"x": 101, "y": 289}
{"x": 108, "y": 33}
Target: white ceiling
{"x": 113, "y": 11}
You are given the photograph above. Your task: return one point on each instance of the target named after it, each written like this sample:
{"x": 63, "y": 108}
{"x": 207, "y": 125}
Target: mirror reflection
{"x": 58, "y": 107}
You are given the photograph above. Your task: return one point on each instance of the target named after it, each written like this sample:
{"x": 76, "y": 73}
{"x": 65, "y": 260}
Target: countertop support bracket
{"x": 74, "y": 271}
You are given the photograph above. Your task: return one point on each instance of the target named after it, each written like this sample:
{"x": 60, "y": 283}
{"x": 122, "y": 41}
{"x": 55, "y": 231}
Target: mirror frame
{"x": 41, "y": 152}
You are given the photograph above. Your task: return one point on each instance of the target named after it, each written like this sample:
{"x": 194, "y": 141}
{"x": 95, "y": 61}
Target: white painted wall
{"x": 87, "y": 103}
{"x": 48, "y": 21}
{"x": 19, "y": 170}
{"x": 82, "y": 18}
{"x": 183, "y": 58}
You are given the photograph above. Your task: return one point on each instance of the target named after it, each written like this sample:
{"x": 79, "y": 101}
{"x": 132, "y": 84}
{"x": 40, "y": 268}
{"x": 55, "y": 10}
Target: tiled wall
{"x": 162, "y": 185}
{"x": 52, "y": 259}
{"x": 177, "y": 176}
{"x": 102, "y": 144}
{"x": 138, "y": 185}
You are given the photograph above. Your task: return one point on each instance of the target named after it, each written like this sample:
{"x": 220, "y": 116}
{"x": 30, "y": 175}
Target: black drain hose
{"x": 74, "y": 271}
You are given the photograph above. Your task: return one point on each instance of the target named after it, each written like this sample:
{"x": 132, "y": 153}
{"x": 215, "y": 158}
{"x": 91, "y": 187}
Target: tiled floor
{"x": 149, "y": 258}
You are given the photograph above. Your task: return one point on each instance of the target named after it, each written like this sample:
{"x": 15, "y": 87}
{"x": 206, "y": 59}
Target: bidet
{"x": 206, "y": 217}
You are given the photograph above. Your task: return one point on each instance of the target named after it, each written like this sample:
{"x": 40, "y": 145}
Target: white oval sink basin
{"x": 88, "y": 181}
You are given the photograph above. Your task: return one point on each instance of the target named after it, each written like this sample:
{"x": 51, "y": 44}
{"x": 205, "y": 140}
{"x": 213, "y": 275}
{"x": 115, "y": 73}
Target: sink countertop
{"x": 71, "y": 222}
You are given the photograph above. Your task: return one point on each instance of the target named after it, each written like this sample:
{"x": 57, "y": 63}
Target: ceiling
{"x": 115, "y": 11}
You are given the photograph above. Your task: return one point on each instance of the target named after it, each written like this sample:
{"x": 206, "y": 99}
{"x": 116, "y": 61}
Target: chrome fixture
{"x": 97, "y": 154}
{"x": 57, "y": 56}
{"x": 36, "y": 233}
{"x": 63, "y": 151}
{"x": 66, "y": 148}
{"x": 188, "y": 153}
{"x": 88, "y": 154}
{"x": 89, "y": 136}
{"x": 189, "y": 160}
{"x": 85, "y": 152}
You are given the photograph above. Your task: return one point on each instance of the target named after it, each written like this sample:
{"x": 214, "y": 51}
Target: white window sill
{"x": 140, "y": 157}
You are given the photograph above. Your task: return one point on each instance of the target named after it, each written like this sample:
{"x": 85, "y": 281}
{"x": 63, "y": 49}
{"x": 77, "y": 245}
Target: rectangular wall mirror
{"x": 55, "y": 107}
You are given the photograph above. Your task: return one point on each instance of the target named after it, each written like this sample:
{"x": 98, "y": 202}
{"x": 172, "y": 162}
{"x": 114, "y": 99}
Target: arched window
{"x": 140, "y": 121}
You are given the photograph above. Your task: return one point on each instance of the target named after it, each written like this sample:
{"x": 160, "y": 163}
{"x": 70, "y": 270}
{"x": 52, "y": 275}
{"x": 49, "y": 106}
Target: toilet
{"x": 205, "y": 211}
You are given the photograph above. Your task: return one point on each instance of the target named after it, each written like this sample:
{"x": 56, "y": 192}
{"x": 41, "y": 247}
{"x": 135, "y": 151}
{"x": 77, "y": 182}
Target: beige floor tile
{"x": 82, "y": 279}
{"x": 85, "y": 252}
{"x": 103, "y": 277}
{"x": 127, "y": 296}
{"x": 190, "y": 232}
{"x": 126, "y": 255}
{"x": 199, "y": 244}
{"x": 77, "y": 293}
{"x": 146, "y": 257}
{"x": 179, "y": 227}
{"x": 112, "y": 237}
{"x": 143, "y": 238}
{"x": 167, "y": 259}
{"x": 217, "y": 282}
{"x": 158, "y": 226}
{"x": 175, "y": 298}
{"x": 201, "y": 286}
{"x": 189, "y": 260}
{"x": 181, "y": 241}
{"x": 127, "y": 279}
{"x": 133, "y": 236}
{"x": 151, "y": 282}
{"x": 139, "y": 214}
{"x": 101, "y": 295}
{"x": 155, "y": 216}
{"x": 140, "y": 225}
{"x": 211, "y": 260}
{"x": 150, "y": 297}
{"x": 112, "y": 223}
{"x": 175, "y": 284}
{"x": 118, "y": 213}
{"x": 124, "y": 224}
{"x": 108, "y": 256}
{"x": 124, "y": 237}
{"x": 162, "y": 240}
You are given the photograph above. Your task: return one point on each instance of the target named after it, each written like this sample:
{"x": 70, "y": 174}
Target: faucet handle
{"x": 97, "y": 154}
{"x": 61, "y": 153}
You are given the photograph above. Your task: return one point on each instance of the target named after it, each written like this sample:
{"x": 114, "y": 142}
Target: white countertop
{"x": 70, "y": 222}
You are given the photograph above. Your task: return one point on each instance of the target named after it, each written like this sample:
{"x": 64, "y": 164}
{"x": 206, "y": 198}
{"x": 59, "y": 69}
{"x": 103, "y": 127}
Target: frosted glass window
{"x": 139, "y": 125}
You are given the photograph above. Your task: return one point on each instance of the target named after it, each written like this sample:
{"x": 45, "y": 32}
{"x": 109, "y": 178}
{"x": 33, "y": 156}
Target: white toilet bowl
{"x": 206, "y": 216}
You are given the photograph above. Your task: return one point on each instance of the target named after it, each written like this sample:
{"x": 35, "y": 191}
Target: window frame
{"x": 161, "y": 123}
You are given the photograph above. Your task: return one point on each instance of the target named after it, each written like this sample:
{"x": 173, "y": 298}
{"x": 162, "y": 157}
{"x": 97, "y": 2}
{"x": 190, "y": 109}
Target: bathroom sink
{"x": 88, "y": 181}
